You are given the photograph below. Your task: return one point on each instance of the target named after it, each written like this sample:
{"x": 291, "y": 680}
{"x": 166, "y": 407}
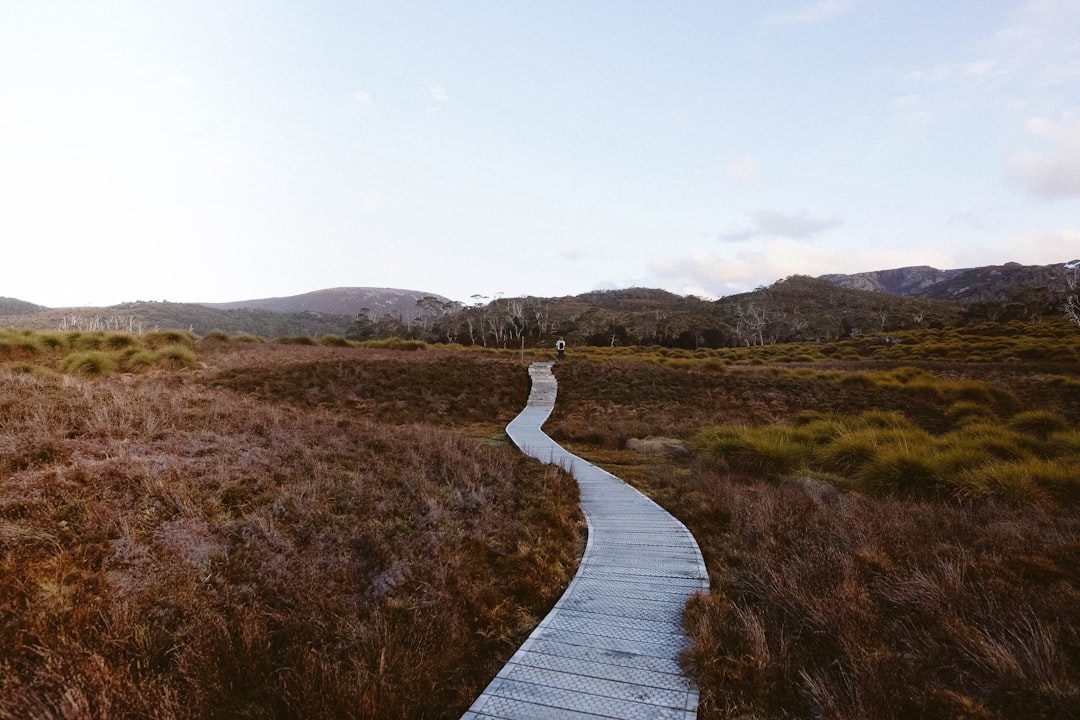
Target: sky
{"x": 217, "y": 150}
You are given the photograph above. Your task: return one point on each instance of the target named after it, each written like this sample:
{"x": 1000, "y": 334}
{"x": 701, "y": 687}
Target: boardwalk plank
{"x": 610, "y": 646}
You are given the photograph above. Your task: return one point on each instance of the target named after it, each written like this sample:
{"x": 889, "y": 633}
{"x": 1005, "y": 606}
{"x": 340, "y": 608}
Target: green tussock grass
{"x": 90, "y": 363}
{"x": 335, "y": 341}
{"x": 21, "y": 344}
{"x": 412, "y": 345}
{"x": 99, "y": 354}
{"x": 1031, "y": 456}
{"x": 764, "y": 450}
{"x": 1040, "y": 423}
{"x": 296, "y": 340}
{"x": 163, "y": 338}
{"x": 175, "y": 356}
{"x": 964, "y": 412}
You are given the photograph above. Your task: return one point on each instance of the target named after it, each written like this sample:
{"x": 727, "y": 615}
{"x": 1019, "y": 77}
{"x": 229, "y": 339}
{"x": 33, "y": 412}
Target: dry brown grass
{"x": 831, "y": 604}
{"x": 220, "y": 542}
{"x": 435, "y": 387}
{"x": 608, "y": 402}
{"x": 835, "y": 604}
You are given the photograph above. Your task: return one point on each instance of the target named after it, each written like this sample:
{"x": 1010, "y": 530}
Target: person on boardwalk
{"x": 560, "y": 347}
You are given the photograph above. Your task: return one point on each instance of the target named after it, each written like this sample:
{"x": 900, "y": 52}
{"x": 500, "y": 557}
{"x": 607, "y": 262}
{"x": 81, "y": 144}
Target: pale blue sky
{"x": 218, "y": 150}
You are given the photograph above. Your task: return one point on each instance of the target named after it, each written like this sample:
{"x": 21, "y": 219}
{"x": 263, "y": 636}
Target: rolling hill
{"x": 342, "y": 301}
{"x": 11, "y": 306}
{"x": 795, "y": 309}
{"x": 318, "y": 313}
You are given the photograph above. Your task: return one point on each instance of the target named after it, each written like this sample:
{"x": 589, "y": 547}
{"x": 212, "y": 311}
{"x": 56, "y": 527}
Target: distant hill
{"x": 11, "y": 306}
{"x": 342, "y": 301}
{"x": 900, "y": 281}
{"x": 322, "y": 312}
{"x": 145, "y": 316}
{"x": 795, "y": 309}
{"x": 991, "y": 283}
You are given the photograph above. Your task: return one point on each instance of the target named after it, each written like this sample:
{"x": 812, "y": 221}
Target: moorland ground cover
{"x": 235, "y": 529}
{"x": 891, "y": 527}
{"x": 887, "y": 538}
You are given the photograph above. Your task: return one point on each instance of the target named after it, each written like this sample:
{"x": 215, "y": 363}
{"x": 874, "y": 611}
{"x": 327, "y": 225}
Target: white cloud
{"x": 742, "y": 168}
{"x": 1044, "y": 247}
{"x": 1039, "y": 44}
{"x": 438, "y": 93}
{"x": 972, "y": 71}
{"x": 362, "y": 97}
{"x": 806, "y": 15}
{"x": 977, "y": 68}
{"x": 770, "y": 260}
{"x": 793, "y": 225}
{"x": 774, "y": 223}
{"x": 1052, "y": 174}
{"x": 910, "y": 113}
{"x": 14, "y": 125}
{"x": 762, "y": 264}
{"x": 905, "y": 102}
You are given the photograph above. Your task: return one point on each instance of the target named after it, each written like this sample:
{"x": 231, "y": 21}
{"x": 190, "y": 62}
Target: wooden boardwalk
{"x": 610, "y": 646}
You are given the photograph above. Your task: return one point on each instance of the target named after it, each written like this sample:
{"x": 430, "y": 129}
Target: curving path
{"x": 610, "y": 646}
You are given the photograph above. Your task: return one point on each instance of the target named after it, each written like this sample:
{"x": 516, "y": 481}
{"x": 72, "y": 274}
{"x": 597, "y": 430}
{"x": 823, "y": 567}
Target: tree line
{"x": 795, "y": 309}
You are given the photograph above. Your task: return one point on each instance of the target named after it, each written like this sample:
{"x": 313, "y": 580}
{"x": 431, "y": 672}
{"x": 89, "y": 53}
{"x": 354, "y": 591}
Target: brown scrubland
{"x": 886, "y": 538}
{"x": 224, "y": 527}
{"x": 260, "y": 530}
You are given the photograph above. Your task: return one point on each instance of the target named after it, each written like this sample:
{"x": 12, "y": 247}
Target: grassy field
{"x": 224, "y": 527}
{"x": 233, "y": 529}
{"x": 886, "y": 538}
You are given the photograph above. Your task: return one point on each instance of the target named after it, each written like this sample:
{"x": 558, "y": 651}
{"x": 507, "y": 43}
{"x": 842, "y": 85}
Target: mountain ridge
{"x": 794, "y": 309}
{"x": 966, "y": 285}
{"x": 348, "y": 300}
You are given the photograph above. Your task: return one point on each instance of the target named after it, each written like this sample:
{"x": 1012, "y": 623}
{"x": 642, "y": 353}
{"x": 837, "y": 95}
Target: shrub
{"x": 33, "y": 370}
{"x": 823, "y": 429}
{"x": 1040, "y": 423}
{"x": 901, "y": 471}
{"x": 84, "y": 340}
{"x": 755, "y": 451}
{"x": 849, "y": 453}
{"x": 118, "y": 341}
{"x": 335, "y": 341}
{"x": 885, "y": 420}
{"x": 1022, "y": 481}
{"x": 1065, "y": 445}
{"x": 954, "y": 460}
{"x": 907, "y": 375}
{"x": 138, "y": 359}
{"x": 399, "y": 344}
{"x": 963, "y": 412}
{"x": 1064, "y": 382}
{"x": 90, "y": 364}
{"x": 53, "y": 340}
{"x": 296, "y": 340}
{"x": 969, "y": 390}
{"x": 162, "y": 338}
{"x": 991, "y": 439}
{"x": 18, "y": 346}
{"x": 176, "y": 356}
